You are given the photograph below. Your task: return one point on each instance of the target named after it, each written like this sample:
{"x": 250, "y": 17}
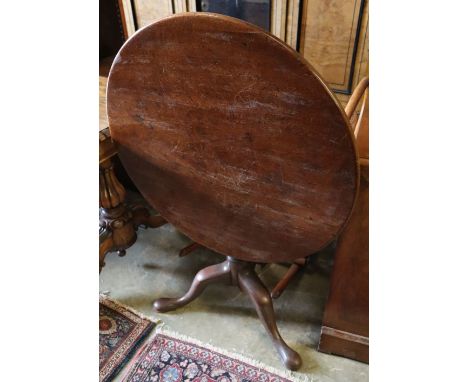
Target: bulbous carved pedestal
{"x": 118, "y": 222}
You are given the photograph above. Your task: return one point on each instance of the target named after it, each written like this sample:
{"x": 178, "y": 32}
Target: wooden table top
{"x": 232, "y": 137}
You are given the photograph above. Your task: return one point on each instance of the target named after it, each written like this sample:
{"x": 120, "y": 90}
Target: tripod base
{"x": 242, "y": 274}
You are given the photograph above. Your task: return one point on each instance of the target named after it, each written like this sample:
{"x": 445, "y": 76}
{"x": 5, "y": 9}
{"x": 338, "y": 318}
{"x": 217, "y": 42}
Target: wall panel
{"x": 329, "y": 39}
{"x": 148, "y": 11}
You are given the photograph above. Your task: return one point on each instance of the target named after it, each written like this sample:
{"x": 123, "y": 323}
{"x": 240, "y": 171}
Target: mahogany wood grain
{"x": 233, "y": 137}
{"x": 360, "y": 123}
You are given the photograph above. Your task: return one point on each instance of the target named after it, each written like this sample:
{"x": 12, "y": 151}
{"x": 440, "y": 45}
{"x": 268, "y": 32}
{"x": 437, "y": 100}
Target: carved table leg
{"x": 250, "y": 284}
{"x": 105, "y": 245}
{"x": 117, "y": 222}
{"x": 202, "y": 279}
{"x": 242, "y": 274}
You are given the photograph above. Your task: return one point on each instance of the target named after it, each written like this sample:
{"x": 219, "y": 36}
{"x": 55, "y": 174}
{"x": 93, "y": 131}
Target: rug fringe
{"x": 161, "y": 328}
{"x": 288, "y": 374}
{"x": 137, "y": 313}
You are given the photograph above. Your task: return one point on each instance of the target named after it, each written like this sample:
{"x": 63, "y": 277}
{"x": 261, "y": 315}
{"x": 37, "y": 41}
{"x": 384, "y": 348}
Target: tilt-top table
{"x": 236, "y": 141}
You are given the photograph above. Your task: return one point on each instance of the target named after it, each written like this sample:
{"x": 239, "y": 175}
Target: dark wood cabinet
{"x": 345, "y": 326}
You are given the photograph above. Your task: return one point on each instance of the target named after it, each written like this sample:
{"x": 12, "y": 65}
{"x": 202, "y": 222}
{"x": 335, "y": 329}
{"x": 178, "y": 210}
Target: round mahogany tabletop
{"x": 233, "y": 137}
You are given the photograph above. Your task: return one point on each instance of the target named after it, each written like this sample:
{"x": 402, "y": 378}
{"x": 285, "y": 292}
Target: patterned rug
{"x": 169, "y": 359}
{"x": 120, "y": 332}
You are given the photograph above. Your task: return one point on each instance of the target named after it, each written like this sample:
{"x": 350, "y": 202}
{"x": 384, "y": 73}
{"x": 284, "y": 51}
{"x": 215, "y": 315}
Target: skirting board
{"x": 339, "y": 342}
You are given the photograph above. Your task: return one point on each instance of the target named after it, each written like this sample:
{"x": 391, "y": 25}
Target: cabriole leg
{"x": 208, "y": 275}
{"x": 250, "y": 283}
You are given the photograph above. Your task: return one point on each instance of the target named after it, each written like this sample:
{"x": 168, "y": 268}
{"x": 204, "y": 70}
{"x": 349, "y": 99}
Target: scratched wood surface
{"x": 232, "y": 137}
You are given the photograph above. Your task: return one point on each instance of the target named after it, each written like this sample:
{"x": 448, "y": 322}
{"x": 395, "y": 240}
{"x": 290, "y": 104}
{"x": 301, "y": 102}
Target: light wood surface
{"x": 104, "y": 68}
{"x": 361, "y": 130}
{"x": 126, "y": 11}
{"x": 233, "y": 137}
{"x": 102, "y": 103}
{"x": 361, "y": 68}
{"x": 342, "y": 98}
{"x": 185, "y": 6}
{"x": 329, "y": 31}
{"x": 356, "y": 97}
{"x": 149, "y": 11}
{"x": 278, "y": 18}
{"x": 292, "y": 22}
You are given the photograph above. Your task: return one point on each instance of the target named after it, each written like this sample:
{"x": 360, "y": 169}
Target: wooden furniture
{"x": 345, "y": 326}
{"x": 104, "y": 68}
{"x": 360, "y": 125}
{"x": 334, "y": 38}
{"x": 236, "y": 141}
{"x": 117, "y": 221}
{"x": 333, "y": 35}
{"x": 295, "y": 267}
{"x": 279, "y": 288}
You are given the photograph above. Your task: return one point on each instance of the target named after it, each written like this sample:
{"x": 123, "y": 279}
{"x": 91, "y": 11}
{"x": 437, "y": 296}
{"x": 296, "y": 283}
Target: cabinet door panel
{"x": 148, "y": 11}
{"x": 329, "y": 37}
{"x": 361, "y": 68}
{"x": 292, "y": 23}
